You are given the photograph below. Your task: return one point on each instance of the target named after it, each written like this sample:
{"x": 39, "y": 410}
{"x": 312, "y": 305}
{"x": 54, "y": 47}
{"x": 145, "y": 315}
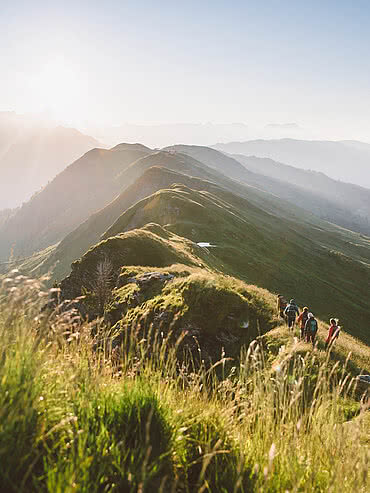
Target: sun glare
{"x": 56, "y": 87}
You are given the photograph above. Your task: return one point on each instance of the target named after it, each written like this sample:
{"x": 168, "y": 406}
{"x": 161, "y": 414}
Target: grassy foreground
{"x": 75, "y": 417}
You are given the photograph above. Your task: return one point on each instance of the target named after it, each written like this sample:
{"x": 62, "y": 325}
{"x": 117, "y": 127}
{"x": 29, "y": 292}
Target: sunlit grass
{"x": 76, "y": 415}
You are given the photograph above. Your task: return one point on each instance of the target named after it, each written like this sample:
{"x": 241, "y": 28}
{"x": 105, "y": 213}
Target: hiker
{"x": 311, "y": 329}
{"x": 333, "y": 334}
{"x": 281, "y": 305}
{"x": 302, "y": 319}
{"x": 291, "y": 311}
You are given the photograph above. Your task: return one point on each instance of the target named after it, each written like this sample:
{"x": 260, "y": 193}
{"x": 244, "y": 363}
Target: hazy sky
{"x": 109, "y": 62}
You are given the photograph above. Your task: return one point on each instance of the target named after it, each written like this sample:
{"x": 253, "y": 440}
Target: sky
{"x": 105, "y": 63}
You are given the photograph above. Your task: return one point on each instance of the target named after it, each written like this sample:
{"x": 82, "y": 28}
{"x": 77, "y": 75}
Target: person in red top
{"x": 332, "y": 334}
{"x": 302, "y": 319}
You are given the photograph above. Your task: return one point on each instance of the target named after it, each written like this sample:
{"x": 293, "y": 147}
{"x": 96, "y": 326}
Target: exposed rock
{"x": 145, "y": 279}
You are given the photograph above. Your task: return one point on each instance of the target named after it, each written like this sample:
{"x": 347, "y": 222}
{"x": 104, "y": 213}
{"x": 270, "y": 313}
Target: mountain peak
{"x": 132, "y": 147}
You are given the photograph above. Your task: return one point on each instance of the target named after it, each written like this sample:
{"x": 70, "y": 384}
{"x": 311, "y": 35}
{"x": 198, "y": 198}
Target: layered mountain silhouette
{"x": 347, "y": 161}
{"x": 344, "y": 204}
{"x": 189, "y": 195}
{"x": 82, "y": 188}
{"x": 32, "y": 154}
{"x": 86, "y": 186}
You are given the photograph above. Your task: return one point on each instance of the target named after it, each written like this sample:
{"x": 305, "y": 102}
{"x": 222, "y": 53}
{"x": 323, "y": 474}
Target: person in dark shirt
{"x": 291, "y": 311}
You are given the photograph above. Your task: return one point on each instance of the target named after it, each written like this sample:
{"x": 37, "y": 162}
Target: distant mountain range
{"x": 341, "y": 203}
{"x": 348, "y": 161}
{"x": 100, "y": 176}
{"x": 31, "y": 154}
{"x": 206, "y": 133}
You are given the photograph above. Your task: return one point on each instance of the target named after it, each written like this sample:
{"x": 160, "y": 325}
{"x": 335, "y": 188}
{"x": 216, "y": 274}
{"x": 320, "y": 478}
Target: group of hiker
{"x": 307, "y": 322}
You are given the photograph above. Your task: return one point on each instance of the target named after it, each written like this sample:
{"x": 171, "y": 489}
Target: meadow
{"x": 77, "y": 414}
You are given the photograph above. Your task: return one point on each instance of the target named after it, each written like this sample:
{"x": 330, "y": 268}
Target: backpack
{"x": 291, "y": 309}
{"x": 313, "y": 325}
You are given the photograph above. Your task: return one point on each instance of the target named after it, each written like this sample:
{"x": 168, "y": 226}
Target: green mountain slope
{"x": 274, "y": 253}
{"x": 76, "y": 243}
{"x": 151, "y": 179}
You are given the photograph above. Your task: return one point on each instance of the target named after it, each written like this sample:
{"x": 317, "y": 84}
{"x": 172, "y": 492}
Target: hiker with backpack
{"x": 333, "y": 334}
{"x": 302, "y": 319}
{"x": 291, "y": 311}
{"x": 311, "y": 328}
{"x": 281, "y": 305}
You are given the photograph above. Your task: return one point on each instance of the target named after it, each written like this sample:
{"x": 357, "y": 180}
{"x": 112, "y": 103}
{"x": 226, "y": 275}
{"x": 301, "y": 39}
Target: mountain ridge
{"x": 347, "y": 205}
{"x": 253, "y": 246}
{"x": 338, "y": 159}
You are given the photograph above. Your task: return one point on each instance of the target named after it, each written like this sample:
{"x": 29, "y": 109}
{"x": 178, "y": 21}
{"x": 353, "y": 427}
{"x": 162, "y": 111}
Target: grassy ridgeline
{"x": 77, "y": 419}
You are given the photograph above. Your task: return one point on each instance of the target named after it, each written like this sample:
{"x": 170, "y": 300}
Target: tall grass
{"x": 78, "y": 414}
